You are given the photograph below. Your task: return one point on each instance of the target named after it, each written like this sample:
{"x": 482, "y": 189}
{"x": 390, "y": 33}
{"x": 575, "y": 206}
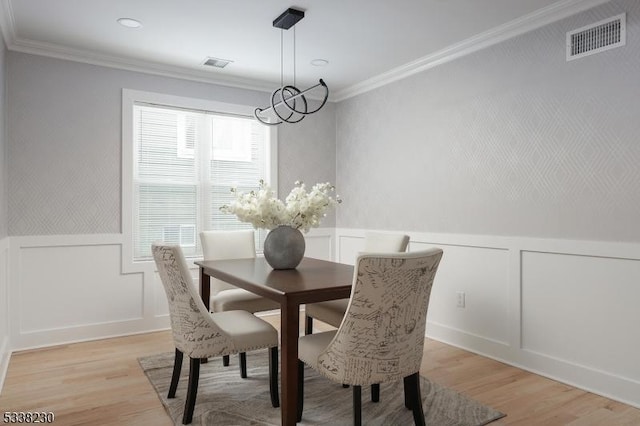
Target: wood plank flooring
{"x": 101, "y": 383}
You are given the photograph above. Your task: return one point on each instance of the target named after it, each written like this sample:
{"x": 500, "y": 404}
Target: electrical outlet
{"x": 460, "y": 299}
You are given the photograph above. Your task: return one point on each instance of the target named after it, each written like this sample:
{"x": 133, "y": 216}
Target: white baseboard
{"x": 5, "y": 358}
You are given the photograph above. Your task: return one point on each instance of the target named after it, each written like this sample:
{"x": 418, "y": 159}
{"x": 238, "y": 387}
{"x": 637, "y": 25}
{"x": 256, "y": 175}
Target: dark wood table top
{"x": 313, "y": 280}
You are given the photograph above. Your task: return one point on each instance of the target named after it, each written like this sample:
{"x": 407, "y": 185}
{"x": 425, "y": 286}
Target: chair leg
{"x": 308, "y": 328}
{"x": 407, "y": 393}
{"x": 175, "y": 377}
{"x": 243, "y": 365}
{"x": 412, "y": 385}
{"x": 300, "y": 390}
{"x": 273, "y": 376}
{"x": 375, "y": 392}
{"x": 357, "y": 405}
{"x": 192, "y": 392}
{"x": 225, "y": 360}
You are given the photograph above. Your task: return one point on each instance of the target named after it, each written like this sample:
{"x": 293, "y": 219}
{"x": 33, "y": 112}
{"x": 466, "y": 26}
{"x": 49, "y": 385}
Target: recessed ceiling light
{"x": 319, "y": 62}
{"x": 129, "y": 22}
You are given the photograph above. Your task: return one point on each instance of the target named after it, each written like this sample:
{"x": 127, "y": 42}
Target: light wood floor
{"x": 101, "y": 383}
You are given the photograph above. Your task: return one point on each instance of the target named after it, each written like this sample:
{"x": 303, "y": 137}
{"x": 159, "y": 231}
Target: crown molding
{"x": 6, "y": 22}
{"x": 128, "y": 64}
{"x": 488, "y": 38}
{"x": 13, "y": 43}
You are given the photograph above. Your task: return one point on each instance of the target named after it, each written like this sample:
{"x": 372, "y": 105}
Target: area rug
{"x": 226, "y": 399}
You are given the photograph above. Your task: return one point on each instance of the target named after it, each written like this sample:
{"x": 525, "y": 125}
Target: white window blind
{"x": 184, "y": 164}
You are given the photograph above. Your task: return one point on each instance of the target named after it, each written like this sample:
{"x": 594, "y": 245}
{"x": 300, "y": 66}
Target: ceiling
{"x": 366, "y": 42}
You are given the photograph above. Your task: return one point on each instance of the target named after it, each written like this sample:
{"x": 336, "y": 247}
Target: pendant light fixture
{"x": 288, "y": 103}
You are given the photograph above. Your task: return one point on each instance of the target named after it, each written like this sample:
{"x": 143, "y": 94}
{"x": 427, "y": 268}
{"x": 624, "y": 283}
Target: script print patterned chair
{"x": 200, "y": 334}
{"x": 235, "y": 244}
{"x": 332, "y": 311}
{"x": 381, "y": 337}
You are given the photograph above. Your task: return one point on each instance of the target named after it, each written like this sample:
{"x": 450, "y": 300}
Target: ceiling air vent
{"x": 603, "y": 35}
{"x": 216, "y": 62}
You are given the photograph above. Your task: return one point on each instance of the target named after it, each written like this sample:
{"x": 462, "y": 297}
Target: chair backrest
{"x": 382, "y": 334}
{"x": 194, "y": 331}
{"x": 221, "y": 245}
{"x": 378, "y": 242}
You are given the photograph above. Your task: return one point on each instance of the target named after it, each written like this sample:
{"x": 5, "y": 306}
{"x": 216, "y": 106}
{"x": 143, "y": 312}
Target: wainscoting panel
{"x": 565, "y": 309}
{"x": 71, "y": 288}
{"x": 160, "y": 305}
{"x": 349, "y": 246}
{"x": 582, "y": 310}
{"x": 53, "y": 295}
{"x": 319, "y": 244}
{"x": 481, "y": 274}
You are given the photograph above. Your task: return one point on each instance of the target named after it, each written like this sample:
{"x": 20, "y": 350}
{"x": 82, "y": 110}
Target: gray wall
{"x": 3, "y": 144}
{"x": 309, "y": 149}
{"x": 64, "y": 145}
{"x": 4, "y": 242}
{"x": 511, "y": 140}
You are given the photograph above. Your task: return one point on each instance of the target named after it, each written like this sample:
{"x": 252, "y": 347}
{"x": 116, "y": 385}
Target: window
{"x": 185, "y": 235}
{"x": 184, "y": 162}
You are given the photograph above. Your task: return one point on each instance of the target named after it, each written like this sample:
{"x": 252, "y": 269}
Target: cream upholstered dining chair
{"x": 233, "y": 244}
{"x": 381, "y": 337}
{"x": 332, "y": 311}
{"x": 200, "y": 334}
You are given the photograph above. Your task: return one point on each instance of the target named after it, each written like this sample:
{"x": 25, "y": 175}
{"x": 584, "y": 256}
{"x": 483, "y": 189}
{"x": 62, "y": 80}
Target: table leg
{"x": 205, "y": 288}
{"x": 290, "y": 331}
{"x": 205, "y": 294}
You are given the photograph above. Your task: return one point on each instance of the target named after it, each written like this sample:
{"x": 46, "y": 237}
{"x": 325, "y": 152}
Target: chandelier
{"x": 288, "y": 103}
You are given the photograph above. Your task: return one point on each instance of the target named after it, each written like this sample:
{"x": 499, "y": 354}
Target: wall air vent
{"x": 595, "y": 38}
{"x": 216, "y": 62}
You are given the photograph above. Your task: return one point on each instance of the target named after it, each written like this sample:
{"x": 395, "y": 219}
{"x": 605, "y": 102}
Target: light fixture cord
{"x": 294, "y": 56}
{"x": 281, "y": 58}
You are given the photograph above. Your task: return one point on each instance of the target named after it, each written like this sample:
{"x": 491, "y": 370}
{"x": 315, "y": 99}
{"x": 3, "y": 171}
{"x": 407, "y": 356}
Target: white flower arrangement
{"x": 301, "y": 210}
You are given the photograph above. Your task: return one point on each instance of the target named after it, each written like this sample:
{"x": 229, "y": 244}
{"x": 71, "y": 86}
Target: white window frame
{"x": 131, "y": 97}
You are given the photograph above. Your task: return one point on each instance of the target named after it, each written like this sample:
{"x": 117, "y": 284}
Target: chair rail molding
{"x": 553, "y": 307}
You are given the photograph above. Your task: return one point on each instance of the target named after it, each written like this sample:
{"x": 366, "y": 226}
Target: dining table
{"x": 313, "y": 280}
